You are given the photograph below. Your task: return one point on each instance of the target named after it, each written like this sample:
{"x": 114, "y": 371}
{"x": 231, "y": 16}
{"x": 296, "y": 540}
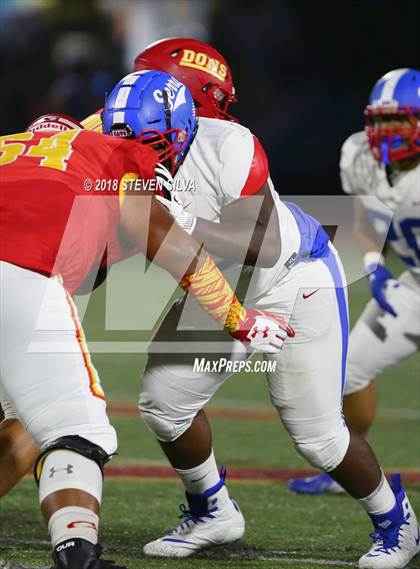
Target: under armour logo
{"x": 255, "y": 331}
{"x": 68, "y": 469}
{"x": 65, "y": 546}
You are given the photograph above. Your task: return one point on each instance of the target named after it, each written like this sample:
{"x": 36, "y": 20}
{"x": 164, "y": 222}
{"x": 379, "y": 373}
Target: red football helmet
{"x": 55, "y": 122}
{"x": 199, "y": 66}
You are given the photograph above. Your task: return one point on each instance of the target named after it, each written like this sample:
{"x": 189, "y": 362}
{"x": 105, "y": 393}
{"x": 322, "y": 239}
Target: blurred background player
{"x": 170, "y": 403}
{"x": 384, "y": 162}
{"x": 56, "y": 393}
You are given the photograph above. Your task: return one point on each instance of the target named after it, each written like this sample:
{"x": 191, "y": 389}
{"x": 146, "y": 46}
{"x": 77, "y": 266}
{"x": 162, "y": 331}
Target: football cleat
{"x": 213, "y": 518}
{"x": 80, "y": 554}
{"x": 396, "y": 539}
{"x": 315, "y": 485}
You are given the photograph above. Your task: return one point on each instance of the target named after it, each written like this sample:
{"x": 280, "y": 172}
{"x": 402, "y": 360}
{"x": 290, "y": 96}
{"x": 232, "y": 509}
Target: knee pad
{"x": 163, "y": 428}
{"x": 356, "y": 380}
{"x": 167, "y": 412}
{"x": 326, "y": 453}
{"x": 76, "y": 444}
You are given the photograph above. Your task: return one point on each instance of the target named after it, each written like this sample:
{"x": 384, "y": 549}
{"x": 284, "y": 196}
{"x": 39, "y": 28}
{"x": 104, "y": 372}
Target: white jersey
{"x": 226, "y": 163}
{"x": 397, "y": 212}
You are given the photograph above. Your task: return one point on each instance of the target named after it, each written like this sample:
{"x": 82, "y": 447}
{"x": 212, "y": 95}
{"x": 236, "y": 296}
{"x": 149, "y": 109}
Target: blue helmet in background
{"x": 155, "y": 108}
{"x": 392, "y": 116}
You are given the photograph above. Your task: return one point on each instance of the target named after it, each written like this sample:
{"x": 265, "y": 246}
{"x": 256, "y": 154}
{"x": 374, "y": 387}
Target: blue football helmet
{"x": 392, "y": 116}
{"x": 155, "y": 108}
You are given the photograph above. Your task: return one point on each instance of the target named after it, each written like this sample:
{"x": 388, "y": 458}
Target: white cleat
{"x": 396, "y": 539}
{"x": 221, "y": 524}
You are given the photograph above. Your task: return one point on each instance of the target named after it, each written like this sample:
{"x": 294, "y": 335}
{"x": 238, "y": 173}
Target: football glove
{"x": 264, "y": 331}
{"x": 168, "y": 198}
{"x": 380, "y": 280}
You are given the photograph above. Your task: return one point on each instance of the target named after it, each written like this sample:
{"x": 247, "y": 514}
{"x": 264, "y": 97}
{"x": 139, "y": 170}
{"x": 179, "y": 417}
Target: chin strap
{"x": 167, "y": 110}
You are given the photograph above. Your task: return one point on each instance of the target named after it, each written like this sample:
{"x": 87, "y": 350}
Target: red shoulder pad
{"x": 258, "y": 172}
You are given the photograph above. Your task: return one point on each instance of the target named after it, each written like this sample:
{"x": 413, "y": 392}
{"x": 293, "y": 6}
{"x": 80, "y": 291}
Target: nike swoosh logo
{"x": 310, "y": 294}
{"x": 198, "y": 479}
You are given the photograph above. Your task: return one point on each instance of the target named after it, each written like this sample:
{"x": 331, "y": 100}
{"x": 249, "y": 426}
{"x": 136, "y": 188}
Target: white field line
{"x": 319, "y": 562}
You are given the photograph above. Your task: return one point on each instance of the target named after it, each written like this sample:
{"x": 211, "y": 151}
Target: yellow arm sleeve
{"x": 93, "y": 122}
{"x": 213, "y": 293}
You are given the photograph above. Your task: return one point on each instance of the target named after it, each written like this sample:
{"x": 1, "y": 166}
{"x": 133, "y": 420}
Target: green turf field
{"x": 283, "y": 530}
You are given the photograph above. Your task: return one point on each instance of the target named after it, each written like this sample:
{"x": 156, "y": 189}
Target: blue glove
{"x": 380, "y": 278}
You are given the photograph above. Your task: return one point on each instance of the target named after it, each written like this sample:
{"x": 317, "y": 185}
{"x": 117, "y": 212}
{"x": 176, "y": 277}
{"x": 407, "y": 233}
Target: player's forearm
{"x": 202, "y": 278}
{"x": 149, "y": 226}
{"x": 241, "y": 241}
{"x": 214, "y": 294}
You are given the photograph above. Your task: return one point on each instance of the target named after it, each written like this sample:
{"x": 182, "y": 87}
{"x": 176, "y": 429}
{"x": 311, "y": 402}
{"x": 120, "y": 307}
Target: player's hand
{"x": 381, "y": 280}
{"x": 170, "y": 200}
{"x": 264, "y": 331}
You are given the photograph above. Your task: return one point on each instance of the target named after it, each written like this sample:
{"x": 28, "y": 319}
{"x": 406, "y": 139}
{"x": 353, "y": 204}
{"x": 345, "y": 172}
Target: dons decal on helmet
{"x": 393, "y": 114}
{"x": 199, "y": 66}
{"x": 155, "y": 108}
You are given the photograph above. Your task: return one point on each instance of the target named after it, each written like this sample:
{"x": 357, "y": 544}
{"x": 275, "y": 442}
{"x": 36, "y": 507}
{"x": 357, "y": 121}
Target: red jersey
{"x": 60, "y": 199}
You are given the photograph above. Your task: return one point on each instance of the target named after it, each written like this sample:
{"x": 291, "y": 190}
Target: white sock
{"x": 200, "y": 478}
{"x": 381, "y": 501}
{"x": 71, "y": 522}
